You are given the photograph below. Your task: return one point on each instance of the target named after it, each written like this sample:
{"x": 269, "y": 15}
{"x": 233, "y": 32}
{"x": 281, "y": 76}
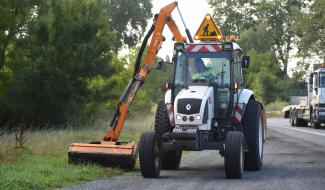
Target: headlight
{"x": 178, "y": 117}
{"x": 198, "y": 117}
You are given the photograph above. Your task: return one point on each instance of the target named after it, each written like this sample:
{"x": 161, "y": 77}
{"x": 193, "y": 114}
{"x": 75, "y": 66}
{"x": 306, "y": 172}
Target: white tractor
{"x": 206, "y": 108}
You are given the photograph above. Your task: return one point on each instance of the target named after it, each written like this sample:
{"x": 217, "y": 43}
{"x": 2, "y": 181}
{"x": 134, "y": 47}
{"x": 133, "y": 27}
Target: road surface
{"x": 293, "y": 159}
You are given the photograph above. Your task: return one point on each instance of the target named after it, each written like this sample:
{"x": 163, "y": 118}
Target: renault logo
{"x": 188, "y": 107}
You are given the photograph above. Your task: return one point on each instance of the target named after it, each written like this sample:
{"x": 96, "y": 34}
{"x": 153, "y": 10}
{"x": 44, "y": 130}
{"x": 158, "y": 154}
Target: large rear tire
{"x": 291, "y": 117}
{"x": 170, "y": 159}
{"x": 234, "y": 155}
{"x": 253, "y": 131}
{"x": 294, "y": 118}
{"x": 162, "y": 123}
{"x": 315, "y": 125}
{"x": 149, "y": 155}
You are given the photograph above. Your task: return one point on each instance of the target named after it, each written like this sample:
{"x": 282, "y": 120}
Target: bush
{"x": 276, "y": 105}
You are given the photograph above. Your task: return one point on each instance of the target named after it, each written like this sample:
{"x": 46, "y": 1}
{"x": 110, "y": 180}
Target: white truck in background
{"x": 311, "y": 109}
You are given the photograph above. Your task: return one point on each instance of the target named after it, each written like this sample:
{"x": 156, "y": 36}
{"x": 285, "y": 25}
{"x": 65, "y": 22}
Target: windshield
{"x": 322, "y": 79}
{"x": 206, "y": 68}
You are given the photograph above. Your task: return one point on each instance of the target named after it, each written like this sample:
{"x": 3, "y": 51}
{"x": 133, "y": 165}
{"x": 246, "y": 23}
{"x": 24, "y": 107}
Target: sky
{"x": 193, "y": 12}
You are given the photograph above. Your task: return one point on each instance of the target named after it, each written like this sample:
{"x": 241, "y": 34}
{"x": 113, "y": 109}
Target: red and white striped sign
{"x": 204, "y": 48}
{"x": 170, "y": 113}
{"x": 238, "y": 113}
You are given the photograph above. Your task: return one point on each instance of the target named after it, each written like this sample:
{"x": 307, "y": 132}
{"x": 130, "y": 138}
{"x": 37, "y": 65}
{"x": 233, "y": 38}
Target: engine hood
{"x": 197, "y": 92}
{"x": 193, "y": 107}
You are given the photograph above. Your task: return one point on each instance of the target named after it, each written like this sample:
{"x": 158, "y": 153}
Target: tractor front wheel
{"x": 234, "y": 155}
{"x": 149, "y": 155}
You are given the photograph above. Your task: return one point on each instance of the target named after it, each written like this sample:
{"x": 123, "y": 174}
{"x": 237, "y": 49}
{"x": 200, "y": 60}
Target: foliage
{"x": 277, "y": 17}
{"x": 276, "y": 105}
{"x": 310, "y": 27}
{"x": 262, "y": 76}
{"x": 59, "y": 61}
{"x": 129, "y": 20}
{"x": 151, "y": 91}
{"x": 234, "y": 16}
{"x": 268, "y": 31}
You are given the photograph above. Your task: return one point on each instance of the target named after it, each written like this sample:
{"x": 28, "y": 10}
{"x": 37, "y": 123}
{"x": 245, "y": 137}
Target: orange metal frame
{"x": 164, "y": 18}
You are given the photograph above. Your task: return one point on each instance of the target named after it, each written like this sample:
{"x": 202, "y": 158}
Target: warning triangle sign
{"x": 208, "y": 30}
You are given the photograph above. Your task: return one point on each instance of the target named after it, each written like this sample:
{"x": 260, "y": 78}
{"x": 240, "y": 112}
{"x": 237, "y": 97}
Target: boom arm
{"x": 137, "y": 80}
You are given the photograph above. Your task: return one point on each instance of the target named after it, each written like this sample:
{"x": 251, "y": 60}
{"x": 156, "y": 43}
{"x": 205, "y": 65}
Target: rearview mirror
{"x": 245, "y": 61}
{"x": 310, "y": 81}
{"x": 167, "y": 85}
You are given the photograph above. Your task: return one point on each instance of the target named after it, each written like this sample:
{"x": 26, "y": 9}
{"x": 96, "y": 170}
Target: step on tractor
{"x": 205, "y": 107}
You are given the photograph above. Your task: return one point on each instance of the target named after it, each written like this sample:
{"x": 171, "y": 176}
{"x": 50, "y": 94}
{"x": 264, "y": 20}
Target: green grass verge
{"x": 47, "y": 172}
{"x": 43, "y": 162}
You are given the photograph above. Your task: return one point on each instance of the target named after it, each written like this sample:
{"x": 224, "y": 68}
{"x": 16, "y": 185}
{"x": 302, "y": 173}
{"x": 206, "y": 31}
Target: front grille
{"x": 189, "y": 106}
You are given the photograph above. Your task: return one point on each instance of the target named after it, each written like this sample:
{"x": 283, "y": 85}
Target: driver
{"x": 199, "y": 70}
{"x": 197, "y": 65}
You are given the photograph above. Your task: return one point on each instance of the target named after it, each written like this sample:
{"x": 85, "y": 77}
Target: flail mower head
{"x": 105, "y": 153}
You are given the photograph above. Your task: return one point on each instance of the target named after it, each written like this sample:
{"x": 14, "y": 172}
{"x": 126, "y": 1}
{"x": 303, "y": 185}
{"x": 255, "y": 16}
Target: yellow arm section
{"x": 160, "y": 21}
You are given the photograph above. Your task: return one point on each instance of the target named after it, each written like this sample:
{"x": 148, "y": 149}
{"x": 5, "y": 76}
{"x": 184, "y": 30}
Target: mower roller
{"x": 109, "y": 151}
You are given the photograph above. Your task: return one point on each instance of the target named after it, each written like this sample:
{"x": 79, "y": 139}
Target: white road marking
{"x": 311, "y": 132}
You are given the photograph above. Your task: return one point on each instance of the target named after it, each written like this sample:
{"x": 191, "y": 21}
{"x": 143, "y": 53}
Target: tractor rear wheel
{"x": 315, "y": 125}
{"x": 149, "y": 155}
{"x": 294, "y": 118}
{"x": 171, "y": 158}
{"x": 234, "y": 155}
{"x": 162, "y": 123}
{"x": 254, "y": 134}
{"x": 291, "y": 117}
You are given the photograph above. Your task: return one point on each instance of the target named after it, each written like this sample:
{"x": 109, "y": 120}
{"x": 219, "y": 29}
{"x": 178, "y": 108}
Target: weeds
{"x": 41, "y": 161}
{"x": 20, "y": 136}
{"x": 276, "y": 106}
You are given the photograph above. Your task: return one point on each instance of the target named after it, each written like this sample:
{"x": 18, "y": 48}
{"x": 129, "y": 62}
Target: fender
{"x": 240, "y": 107}
{"x": 245, "y": 95}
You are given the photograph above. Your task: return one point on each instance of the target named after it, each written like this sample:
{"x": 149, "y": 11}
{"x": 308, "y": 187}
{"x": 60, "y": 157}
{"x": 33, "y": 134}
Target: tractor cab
{"x": 209, "y": 72}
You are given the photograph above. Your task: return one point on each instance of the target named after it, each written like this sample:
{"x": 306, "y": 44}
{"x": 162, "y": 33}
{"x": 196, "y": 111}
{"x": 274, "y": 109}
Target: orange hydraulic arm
{"x": 159, "y": 22}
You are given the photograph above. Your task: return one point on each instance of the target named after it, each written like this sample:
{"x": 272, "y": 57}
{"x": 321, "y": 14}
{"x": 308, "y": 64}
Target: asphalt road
{"x": 293, "y": 159}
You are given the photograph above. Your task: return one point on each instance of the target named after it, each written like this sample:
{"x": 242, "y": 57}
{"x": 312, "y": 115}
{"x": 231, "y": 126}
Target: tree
{"x": 256, "y": 38}
{"x": 280, "y": 16}
{"x": 66, "y": 45}
{"x": 14, "y": 15}
{"x": 310, "y": 27}
{"x": 262, "y": 76}
{"x": 129, "y": 20}
{"x": 234, "y": 16}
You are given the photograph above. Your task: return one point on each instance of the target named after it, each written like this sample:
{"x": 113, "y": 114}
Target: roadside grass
{"x": 43, "y": 162}
{"x": 274, "y": 109}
